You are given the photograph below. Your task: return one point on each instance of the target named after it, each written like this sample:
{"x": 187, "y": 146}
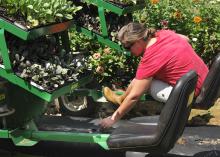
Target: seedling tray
{"x": 118, "y": 9}
{"x": 45, "y": 95}
{"x": 102, "y": 39}
{"x": 33, "y": 33}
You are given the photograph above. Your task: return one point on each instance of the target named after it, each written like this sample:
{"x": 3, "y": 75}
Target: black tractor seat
{"x": 209, "y": 93}
{"x": 159, "y": 138}
{"x": 210, "y": 90}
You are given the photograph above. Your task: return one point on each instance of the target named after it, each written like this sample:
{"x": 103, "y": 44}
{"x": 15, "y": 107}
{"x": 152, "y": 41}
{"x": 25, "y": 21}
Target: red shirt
{"x": 169, "y": 58}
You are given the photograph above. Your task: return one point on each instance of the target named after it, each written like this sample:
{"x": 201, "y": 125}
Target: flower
{"x": 100, "y": 69}
{"x": 154, "y": 1}
{"x": 197, "y": 19}
{"x": 107, "y": 50}
{"x": 164, "y": 23}
{"x": 96, "y": 55}
{"x": 194, "y": 39}
{"x": 177, "y": 14}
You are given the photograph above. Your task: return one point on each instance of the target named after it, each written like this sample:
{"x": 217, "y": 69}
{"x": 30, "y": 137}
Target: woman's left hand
{"x": 107, "y": 122}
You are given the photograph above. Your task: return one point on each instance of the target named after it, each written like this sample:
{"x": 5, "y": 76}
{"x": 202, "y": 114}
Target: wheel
{"x": 76, "y": 105}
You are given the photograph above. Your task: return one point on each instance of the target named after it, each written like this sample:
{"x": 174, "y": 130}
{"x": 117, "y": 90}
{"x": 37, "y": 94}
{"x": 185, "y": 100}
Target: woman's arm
{"x": 137, "y": 90}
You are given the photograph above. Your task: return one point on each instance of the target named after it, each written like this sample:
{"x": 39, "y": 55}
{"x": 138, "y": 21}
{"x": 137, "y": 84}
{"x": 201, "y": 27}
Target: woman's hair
{"x": 133, "y": 32}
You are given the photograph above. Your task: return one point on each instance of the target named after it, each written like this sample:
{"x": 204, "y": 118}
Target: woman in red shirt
{"x": 166, "y": 56}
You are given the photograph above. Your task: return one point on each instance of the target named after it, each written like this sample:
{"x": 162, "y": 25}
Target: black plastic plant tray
{"x": 28, "y": 34}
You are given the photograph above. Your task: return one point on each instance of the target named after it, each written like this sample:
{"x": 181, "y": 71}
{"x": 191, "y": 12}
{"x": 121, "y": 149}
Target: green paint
{"x": 35, "y": 32}
{"x": 103, "y": 22}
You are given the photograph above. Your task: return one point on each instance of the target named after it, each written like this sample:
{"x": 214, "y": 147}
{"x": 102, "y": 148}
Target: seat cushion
{"x": 132, "y": 135}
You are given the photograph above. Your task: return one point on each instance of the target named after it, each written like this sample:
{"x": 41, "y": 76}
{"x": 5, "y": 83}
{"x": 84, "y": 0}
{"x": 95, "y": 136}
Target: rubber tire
{"x": 88, "y": 110}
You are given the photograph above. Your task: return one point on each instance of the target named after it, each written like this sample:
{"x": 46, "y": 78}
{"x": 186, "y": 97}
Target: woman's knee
{"x": 160, "y": 90}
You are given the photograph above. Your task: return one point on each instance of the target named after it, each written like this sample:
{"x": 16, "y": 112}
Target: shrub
{"x": 40, "y": 12}
{"x": 111, "y": 67}
{"x": 198, "y": 19}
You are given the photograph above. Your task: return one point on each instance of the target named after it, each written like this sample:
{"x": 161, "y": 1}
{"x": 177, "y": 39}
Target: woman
{"x": 166, "y": 56}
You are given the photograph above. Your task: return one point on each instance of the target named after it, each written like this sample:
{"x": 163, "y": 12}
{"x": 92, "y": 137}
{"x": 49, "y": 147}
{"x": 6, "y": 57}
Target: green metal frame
{"x": 31, "y": 136}
{"x": 7, "y": 72}
{"x": 102, "y": 40}
{"x": 113, "y": 8}
{"x": 35, "y": 32}
{"x": 40, "y": 93}
{"x": 104, "y": 5}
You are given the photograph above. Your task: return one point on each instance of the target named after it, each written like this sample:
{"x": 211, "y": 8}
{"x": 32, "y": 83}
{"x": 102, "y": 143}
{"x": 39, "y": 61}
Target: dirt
{"x": 206, "y": 117}
{"x": 17, "y": 18}
{"x": 197, "y": 117}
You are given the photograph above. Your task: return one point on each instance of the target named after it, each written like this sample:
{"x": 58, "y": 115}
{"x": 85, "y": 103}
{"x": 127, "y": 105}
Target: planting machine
{"x": 23, "y": 103}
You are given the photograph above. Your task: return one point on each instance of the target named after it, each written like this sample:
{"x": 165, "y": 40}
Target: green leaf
{"x": 68, "y": 16}
{"x": 46, "y": 5}
{"x": 49, "y": 12}
{"x": 30, "y": 6}
{"x": 59, "y": 15}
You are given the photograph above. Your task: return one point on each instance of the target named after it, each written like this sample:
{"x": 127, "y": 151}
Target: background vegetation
{"x": 197, "y": 19}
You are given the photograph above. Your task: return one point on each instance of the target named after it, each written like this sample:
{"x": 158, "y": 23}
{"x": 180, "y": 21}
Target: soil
{"x": 118, "y": 4}
{"x": 17, "y": 19}
{"x": 210, "y": 117}
{"x": 206, "y": 117}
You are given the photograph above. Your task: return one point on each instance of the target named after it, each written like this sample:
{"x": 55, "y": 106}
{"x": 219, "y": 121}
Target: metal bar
{"x": 103, "y": 22}
{"x": 71, "y": 137}
{"x": 70, "y": 88}
{"x": 13, "y": 29}
{"x": 35, "y": 32}
{"x": 4, "y": 52}
{"x": 31, "y": 136}
{"x": 110, "y": 7}
{"x": 65, "y": 40}
{"x": 116, "y": 9}
{"x": 41, "y": 93}
{"x": 101, "y": 39}
{"x": 4, "y": 133}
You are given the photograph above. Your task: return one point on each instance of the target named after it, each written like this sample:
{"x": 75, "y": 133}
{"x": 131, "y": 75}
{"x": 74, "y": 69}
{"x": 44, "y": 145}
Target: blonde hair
{"x": 133, "y": 32}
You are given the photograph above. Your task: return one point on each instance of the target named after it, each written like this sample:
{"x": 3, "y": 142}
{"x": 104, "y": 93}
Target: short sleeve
{"x": 156, "y": 56}
{"x": 149, "y": 66}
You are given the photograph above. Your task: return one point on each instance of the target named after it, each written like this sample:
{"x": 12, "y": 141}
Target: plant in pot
{"x": 30, "y": 13}
{"x": 112, "y": 68}
{"x": 41, "y": 63}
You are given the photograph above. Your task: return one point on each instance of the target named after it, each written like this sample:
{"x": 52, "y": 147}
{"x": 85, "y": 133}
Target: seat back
{"x": 162, "y": 137}
{"x": 210, "y": 90}
{"x": 175, "y": 113}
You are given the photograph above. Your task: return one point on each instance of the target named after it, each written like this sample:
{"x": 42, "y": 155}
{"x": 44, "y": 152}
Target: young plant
{"x": 40, "y": 12}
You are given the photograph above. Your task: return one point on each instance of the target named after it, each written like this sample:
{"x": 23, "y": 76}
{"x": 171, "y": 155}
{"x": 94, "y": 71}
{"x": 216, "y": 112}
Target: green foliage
{"x": 41, "y": 12}
{"x": 118, "y": 1}
{"x": 112, "y": 67}
{"x": 108, "y": 65}
{"x": 82, "y": 43}
{"x": 197, "y": 19}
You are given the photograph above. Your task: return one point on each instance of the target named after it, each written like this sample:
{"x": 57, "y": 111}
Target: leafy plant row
{"x": 32, "y": 13}
{"x": 43, "y": 63}
{"x": 88, "y": 17}
{"x": 197, "y": 19}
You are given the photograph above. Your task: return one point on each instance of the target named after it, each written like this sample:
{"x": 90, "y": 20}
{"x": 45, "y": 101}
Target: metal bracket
{"x": 4, "y": 52}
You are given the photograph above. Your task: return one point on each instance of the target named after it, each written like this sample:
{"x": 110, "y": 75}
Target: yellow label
{"x": 2, "y": 97}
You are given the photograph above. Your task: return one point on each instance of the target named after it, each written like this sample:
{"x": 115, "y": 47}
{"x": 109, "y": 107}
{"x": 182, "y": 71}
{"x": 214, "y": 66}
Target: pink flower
{"x": 107, "y": 50}
{"x": 96, "y": 55}
{"x": 164, "y": 23}
{"x": 100, "y": 69}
